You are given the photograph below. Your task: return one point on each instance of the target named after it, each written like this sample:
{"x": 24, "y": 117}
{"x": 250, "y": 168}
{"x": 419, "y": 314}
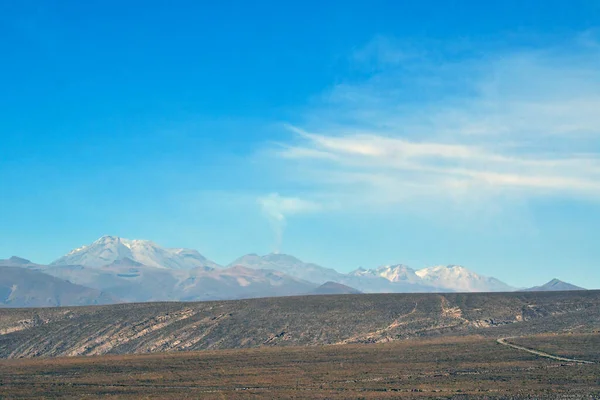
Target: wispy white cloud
{"x": 278, "y": 208}
{"x": 516, "y": 124}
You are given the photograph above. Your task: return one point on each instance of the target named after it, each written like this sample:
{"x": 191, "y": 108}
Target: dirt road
{"x": 503, "y": 341}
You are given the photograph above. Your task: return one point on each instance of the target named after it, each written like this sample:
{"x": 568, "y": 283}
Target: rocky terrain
{"x": 290, "y": 321}
{"x": 441, "y": 368}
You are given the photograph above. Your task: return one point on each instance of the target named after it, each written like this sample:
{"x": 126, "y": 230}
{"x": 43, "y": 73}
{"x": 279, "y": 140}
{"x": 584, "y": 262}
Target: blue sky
{"x": 345, "y": 133}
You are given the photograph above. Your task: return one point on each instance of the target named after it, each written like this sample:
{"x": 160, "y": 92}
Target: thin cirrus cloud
{"x": 518, "y": 124}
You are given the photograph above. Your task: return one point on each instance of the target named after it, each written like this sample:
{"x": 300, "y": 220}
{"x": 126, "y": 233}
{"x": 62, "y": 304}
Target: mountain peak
{"x": 289, "y": 265}
{"x": 280, "y": 257}
{"x": 107, "y": 239}
{"x": 19, "y": 260}
{"x": 554, "y": 285}
{"x": 109, "y": 249}
{"x": 335, "y": 288}
{"x": 398, "y": 273}
{"x": 458, "y": 278}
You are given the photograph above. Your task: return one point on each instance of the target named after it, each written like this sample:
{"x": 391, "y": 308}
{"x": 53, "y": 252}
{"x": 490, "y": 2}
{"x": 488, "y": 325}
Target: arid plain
{"x": 346, "y": 346}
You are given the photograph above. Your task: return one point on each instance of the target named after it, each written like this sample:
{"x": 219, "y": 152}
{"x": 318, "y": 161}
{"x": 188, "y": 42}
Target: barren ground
{"x": 465, "y": 367}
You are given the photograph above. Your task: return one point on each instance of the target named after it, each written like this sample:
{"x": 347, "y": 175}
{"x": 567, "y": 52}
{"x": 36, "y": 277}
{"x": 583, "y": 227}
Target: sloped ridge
{"x": 290, "y": 321}
{"x": 18, "y": 261}
{"x": 20, "y": 287}
{"x": 15, "y": 261}
{"x": 555, "y": 285}
{"x": 133, "y": 283}
{"x": 335, "y": 288}
{"x": 291, "y": 266}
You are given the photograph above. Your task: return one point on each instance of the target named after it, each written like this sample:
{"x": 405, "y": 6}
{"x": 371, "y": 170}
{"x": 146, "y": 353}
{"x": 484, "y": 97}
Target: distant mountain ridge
{"x": 554, "y": 285}
{"x": 15, "y": 261}
{"x": 289, "y": 265}
{"x": 371, "y": 281}
{"x": 141, "y": 283}
{"x": 453, "y": 278}
{"x": 142, "y": 271}
{"x": 112, "y": 250}
{"x": 21, "y": 287}
{"x": 335, "y": 288}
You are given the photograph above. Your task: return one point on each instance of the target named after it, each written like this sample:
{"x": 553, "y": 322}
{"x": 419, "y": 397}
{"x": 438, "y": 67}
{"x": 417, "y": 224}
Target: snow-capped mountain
{"x": 393, "y": 273}
{"x": 141, "y": 270}
{"x": 453, "y": 278}
{"x": 460, "y": 279}
{"x": 109, "y": 249}
{"x": 388, "y": 279}
{"x": 291, "y": 266}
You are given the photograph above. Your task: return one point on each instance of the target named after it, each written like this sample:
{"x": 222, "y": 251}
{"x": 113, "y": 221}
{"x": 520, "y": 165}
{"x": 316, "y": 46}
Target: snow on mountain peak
{"x": 442, "y": 277}
{"x": 77, "y": 250}
{"x": 445, "y": 270}
{"x": 109, "y": 249}
{"x": 459, "y": 278}
{"x": 393, "y": 273}
{"x": 398, "y": 273}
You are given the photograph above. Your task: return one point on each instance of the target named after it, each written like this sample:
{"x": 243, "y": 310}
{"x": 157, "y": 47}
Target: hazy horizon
{"x": 364, "y": 267}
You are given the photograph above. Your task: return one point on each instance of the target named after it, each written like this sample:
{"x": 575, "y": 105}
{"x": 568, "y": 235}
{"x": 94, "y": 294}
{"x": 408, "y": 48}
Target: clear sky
{"x": 345, "y": 133}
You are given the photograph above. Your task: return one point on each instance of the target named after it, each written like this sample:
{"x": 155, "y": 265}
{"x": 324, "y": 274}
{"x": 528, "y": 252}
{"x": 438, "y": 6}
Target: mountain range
{"x": 114, "y": 269}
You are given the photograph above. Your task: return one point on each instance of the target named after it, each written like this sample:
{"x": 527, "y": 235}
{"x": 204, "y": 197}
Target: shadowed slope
{"x": 554, "y": 285}
{"x": 21, "y": 287}
{"x": 335, "y": 288}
